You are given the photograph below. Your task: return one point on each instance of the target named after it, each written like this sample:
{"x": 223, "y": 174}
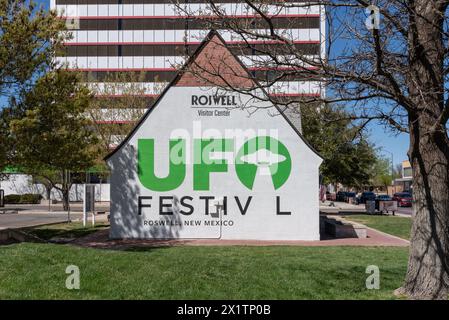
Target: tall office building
{"x": 150, "y": 38}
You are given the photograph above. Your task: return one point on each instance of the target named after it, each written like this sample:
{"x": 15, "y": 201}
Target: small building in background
{"x": 405, "y": 182}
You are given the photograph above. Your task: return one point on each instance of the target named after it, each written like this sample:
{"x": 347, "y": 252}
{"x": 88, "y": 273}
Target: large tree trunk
{"x": 65, "y": 189}
{"x": 48, "y": 191}
{"x": 428, "y": 269}
{"x": 65, "y": 200}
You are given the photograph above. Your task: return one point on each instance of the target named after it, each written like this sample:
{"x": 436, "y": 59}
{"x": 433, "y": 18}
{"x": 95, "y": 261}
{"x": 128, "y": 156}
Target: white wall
{"x": 21, "y": 184}
{"x": 298, "y": 195}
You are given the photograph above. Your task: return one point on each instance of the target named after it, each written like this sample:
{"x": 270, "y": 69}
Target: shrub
{"x": 23, "y": 198}
{"x": 12, "y": 198}
{"x": 30, "y": 198}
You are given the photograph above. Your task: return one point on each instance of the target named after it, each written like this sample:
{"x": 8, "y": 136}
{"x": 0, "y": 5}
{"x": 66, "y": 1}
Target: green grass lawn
{"x": 37, "y": 271}
{"x": 398, "y": 226}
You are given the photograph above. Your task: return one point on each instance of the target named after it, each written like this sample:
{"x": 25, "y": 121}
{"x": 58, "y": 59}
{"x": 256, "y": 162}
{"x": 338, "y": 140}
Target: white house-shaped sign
{"x": 209, "y": 163}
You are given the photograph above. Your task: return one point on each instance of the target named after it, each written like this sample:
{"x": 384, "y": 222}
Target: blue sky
{"x": 46, "y": 3}
{"x": 396, "y": 144}
{"x": 387, "y": 142}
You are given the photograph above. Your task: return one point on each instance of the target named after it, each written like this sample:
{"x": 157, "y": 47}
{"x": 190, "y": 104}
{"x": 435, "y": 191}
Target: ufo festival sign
{"x": 209, "y": 163}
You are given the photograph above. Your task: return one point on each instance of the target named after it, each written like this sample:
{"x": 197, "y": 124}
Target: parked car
{"x": 404, "y": 199}
{"x": 344, "y": 196}
{"x": 366, "y": 196}
{"x": 384, "y": 197}
{"x": 351, "y": 195}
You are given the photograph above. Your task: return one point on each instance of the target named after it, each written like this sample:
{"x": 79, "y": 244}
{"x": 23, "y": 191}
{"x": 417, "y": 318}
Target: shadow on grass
{"x": 146, "y": 248}
{"x": 353, "y": 213}
{"x": 63, "y": 230}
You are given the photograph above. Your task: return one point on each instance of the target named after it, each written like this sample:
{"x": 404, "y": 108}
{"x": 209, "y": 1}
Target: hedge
{"x": 27, "y": 198}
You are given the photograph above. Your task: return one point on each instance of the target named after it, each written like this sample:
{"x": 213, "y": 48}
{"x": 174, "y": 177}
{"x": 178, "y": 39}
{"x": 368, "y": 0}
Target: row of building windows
{"x": 177, "y": 50}
{"x": 85, "y": 2}
{"x": 116, "y": 102}
{"x": 194, "y": 24}
{"x": 167, "y": 76}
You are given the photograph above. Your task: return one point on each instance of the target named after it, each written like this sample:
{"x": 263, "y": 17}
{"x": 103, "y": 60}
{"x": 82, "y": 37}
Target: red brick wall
{"x": 215, "y": 66}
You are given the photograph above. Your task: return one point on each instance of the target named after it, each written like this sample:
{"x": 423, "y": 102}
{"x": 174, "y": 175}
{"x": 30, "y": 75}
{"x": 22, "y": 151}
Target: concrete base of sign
{"x": 343, "y": 229}
{"x": 101, "y": 240}
{"x": 11, "y": 235}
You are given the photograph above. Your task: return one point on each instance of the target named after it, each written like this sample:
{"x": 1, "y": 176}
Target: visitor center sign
{"x": 206, "y": 162}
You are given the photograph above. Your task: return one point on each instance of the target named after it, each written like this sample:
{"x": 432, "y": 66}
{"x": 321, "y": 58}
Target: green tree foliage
{"x": 54, "y": 134}
{"x": 382, "y": 172}
{"x": 348, "y": 155}
{"x": 121, "y": 101}
{"x": 29, "y": 38}
{"x": 4, "y": 141}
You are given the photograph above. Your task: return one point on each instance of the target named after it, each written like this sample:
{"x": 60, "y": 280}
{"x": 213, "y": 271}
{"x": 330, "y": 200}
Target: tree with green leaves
{"x": 29, "y": 38}
{"x": 47, "y": 179}
{"x": 348, "y": 155}
{"x": 117, "y": 106}
{"x": 382, "y": 172}
{"x": 4, "y": 147}
{"x": 54, "y": 135}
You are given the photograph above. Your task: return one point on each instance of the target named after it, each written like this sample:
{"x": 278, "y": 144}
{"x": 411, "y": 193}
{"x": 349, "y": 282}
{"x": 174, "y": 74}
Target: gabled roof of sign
{"x": 213, "y": 57}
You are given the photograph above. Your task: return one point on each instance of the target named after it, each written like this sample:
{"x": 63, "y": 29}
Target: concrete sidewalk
{"x": 346, "y": 208}
{"x": 16, "y": 221}
{"x": 33, "y": 219}
{"x": 336, "y": 207}
{"x": 100, "y": 240}
{"x": 54, "y": 208}
{"x": 32, "y": 215}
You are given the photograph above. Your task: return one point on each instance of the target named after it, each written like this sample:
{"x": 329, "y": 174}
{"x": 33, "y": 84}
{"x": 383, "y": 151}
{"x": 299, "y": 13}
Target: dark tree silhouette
{"x": 394, "y": 72}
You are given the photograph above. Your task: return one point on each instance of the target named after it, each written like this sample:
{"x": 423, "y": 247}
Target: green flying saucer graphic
{"x": 265, "y": 155}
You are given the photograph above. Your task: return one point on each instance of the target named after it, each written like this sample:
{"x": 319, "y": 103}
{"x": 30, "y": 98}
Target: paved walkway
{"x": 336, "y": 207}
{"x": 23, "y": 220}
{"x": 375, "y": 239}
{"x": 31, "y": 215}
{"x": 54, "y": 208}
{"x": 347, "y": 208}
